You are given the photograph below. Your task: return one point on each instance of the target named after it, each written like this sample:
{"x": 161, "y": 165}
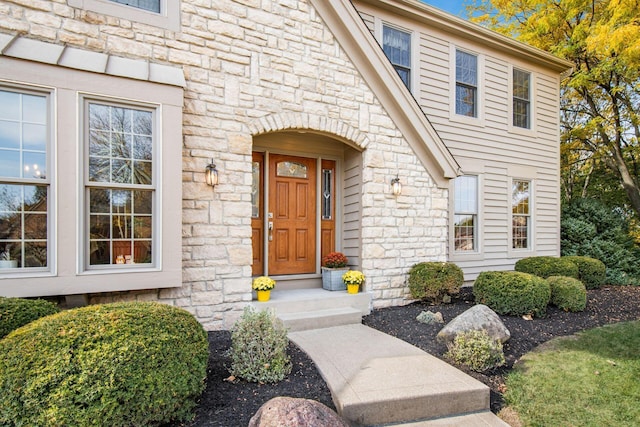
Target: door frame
{"x": 337, "y": 205}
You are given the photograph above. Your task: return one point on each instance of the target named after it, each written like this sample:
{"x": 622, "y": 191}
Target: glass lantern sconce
{"x": 396, "y": 186}
{"x": 211, "y": 174}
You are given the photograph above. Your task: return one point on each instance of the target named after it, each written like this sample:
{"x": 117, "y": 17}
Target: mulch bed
{"x": 233, "y": 403}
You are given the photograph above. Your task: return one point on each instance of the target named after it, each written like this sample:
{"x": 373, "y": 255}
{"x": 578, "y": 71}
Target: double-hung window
{"x": 397, "y": 47}
{"x": 465, "y": 214}
{"x": 520, "y": 214}
{"x": 521, "y": 99}
{"x": 120, "y": 185}
{"x": 24, "y": 180}
{"x": 466, "y": 84}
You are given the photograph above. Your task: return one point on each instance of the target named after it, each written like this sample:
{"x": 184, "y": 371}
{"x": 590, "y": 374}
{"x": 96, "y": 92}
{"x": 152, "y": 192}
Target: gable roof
{"x": 364, "y": 51}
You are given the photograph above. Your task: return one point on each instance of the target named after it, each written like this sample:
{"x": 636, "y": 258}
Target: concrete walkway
{"x": 376, "y": 379}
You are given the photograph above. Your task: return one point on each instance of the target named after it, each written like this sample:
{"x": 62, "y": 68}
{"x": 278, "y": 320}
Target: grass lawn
{"x": 592, "y": 379}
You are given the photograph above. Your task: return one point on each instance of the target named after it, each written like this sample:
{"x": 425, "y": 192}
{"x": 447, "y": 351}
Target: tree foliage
{"x": 601, "y": 96}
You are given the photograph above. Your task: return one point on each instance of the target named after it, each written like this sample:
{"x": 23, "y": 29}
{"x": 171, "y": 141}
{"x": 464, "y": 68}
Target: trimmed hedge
{"x": 125, "y": 364}
{"x": 545, "y": 266}
{"x": 433, "y": 280}
{"x": 592, "y": 272}
{"x": 17, "y": 312}
{"x": 567, "y": 293}
{"x": 512, "y": 292}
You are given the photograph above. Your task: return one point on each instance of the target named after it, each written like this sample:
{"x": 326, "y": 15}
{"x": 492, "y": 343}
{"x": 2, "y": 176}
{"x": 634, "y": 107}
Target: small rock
{"x": 429, "y": 318}
{"x": 478, "y": 317}
{"x": 446, "y": 299}
{"x": 290, "y": 411}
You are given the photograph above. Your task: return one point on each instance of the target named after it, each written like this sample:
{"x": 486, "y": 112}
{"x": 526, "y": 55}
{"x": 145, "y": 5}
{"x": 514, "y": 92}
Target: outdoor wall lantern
{"x": 211, "y": 174}
{"x": 396, "y": 186}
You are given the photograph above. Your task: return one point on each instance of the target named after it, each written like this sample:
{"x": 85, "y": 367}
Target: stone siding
{"x": 254, "y": 67}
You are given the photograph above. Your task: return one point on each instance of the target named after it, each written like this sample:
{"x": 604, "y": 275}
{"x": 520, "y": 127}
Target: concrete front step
{"x": 376, "y": 379}
{"x": 302, "y": 309}
{"x": 305, "y": 320}
{"x": 477, "y": 419}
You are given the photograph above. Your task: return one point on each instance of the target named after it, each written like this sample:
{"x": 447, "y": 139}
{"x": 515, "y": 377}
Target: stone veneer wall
{"x": 252, "y": 67}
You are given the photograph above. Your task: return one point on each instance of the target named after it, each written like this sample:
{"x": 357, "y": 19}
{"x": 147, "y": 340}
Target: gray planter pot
{"x": 332, "y": 278}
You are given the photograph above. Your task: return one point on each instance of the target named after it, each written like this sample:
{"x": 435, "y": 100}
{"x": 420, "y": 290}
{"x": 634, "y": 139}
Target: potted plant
{"x": 6, "y": 261}
{"x": 334, "y": 265}
{"x": 353, "y": 279}
{"x": 263, "y": 285}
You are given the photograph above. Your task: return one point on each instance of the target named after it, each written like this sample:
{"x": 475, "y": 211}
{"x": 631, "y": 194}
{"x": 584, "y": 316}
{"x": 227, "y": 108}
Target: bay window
{"x": 119, "y": 184}
{"x": 24, "y": 180}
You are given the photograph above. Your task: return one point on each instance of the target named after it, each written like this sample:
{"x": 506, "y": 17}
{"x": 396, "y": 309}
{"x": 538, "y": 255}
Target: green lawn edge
{"x": 589, "y": 379}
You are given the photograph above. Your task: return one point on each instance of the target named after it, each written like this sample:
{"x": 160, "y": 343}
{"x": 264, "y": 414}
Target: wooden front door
{"x": 291, "y": 218}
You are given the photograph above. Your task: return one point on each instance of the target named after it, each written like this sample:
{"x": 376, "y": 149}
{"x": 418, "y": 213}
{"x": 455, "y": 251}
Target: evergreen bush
{"x": 125, "y": 364}
{"x": 17, "y": 312}
{"x": 590, "y": 228}
{"x": 591, "y": 271}
{"x": 567, "y": 293}
{"x": 545, "y": 266}
{"x": 512, "y": 292}
{"x": 433, "y": 280}
{"x": 259, "y": 348}
{"x": 476, "y": 350}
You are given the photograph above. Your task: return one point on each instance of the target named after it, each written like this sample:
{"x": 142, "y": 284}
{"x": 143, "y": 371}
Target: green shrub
{"x": 476, "y": 350}
{"x": 591, "y": 271}
{"x": 590, "y": 228}
{"x": 17, "y": 312}
{"x": 512, "y": 292}
{"x": 259, "y": 348}
{"x": 125, "y": 364}
{"x": 545, "y": 266}
{"x": 567, "y": 293}
{"x": 433, "y": 280}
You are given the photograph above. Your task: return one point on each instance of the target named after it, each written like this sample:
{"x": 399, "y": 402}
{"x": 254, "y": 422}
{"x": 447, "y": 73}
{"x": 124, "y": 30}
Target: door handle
{"x": 270, "y": 228}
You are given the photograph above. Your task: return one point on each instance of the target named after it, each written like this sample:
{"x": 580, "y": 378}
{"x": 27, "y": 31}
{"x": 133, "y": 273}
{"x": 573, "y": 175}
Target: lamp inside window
{"x": 211, "y": 174}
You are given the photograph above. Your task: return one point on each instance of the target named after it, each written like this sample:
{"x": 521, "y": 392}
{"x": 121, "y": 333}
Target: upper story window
{"x": 521, "y": 99}
{"x": 150, "y": 5}
{"x": 465, "y": 213}
{"x": 24, "y": 181}
{"x": 397, "y": 46}
{"x": 119, "y": 184}
{"x": 521, "y": 214}
{"x": 466, "y": 84}
{"x": 158, "y": 13}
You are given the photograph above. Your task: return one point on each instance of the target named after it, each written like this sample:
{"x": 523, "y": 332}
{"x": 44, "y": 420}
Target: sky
{"x": 454, "y": 7}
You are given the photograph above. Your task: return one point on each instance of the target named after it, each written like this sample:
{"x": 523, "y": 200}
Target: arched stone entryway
{"x": 306, "y": 191}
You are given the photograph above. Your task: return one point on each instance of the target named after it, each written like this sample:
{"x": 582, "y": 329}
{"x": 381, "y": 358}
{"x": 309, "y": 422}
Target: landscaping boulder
{"x": 429, "y": 317}
{"x": 289, "y": 411}
{"x": 479, "y": 317}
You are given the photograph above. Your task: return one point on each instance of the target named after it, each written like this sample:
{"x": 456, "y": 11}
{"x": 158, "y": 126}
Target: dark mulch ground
{"x": 231, "y": 404}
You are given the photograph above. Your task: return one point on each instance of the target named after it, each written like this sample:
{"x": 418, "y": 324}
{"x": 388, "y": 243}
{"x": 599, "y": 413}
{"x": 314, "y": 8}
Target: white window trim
{"x": 50, "y": 93}
{"x": 415, "y": 50}
{"x": 67, "y": 276}
{"x": 532, "y": 103}
{"x": 529, "y": 251}
{"x": 168, "y": 18}
{"x": 453, "y": 116}
{"x": 478, "y": 253}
